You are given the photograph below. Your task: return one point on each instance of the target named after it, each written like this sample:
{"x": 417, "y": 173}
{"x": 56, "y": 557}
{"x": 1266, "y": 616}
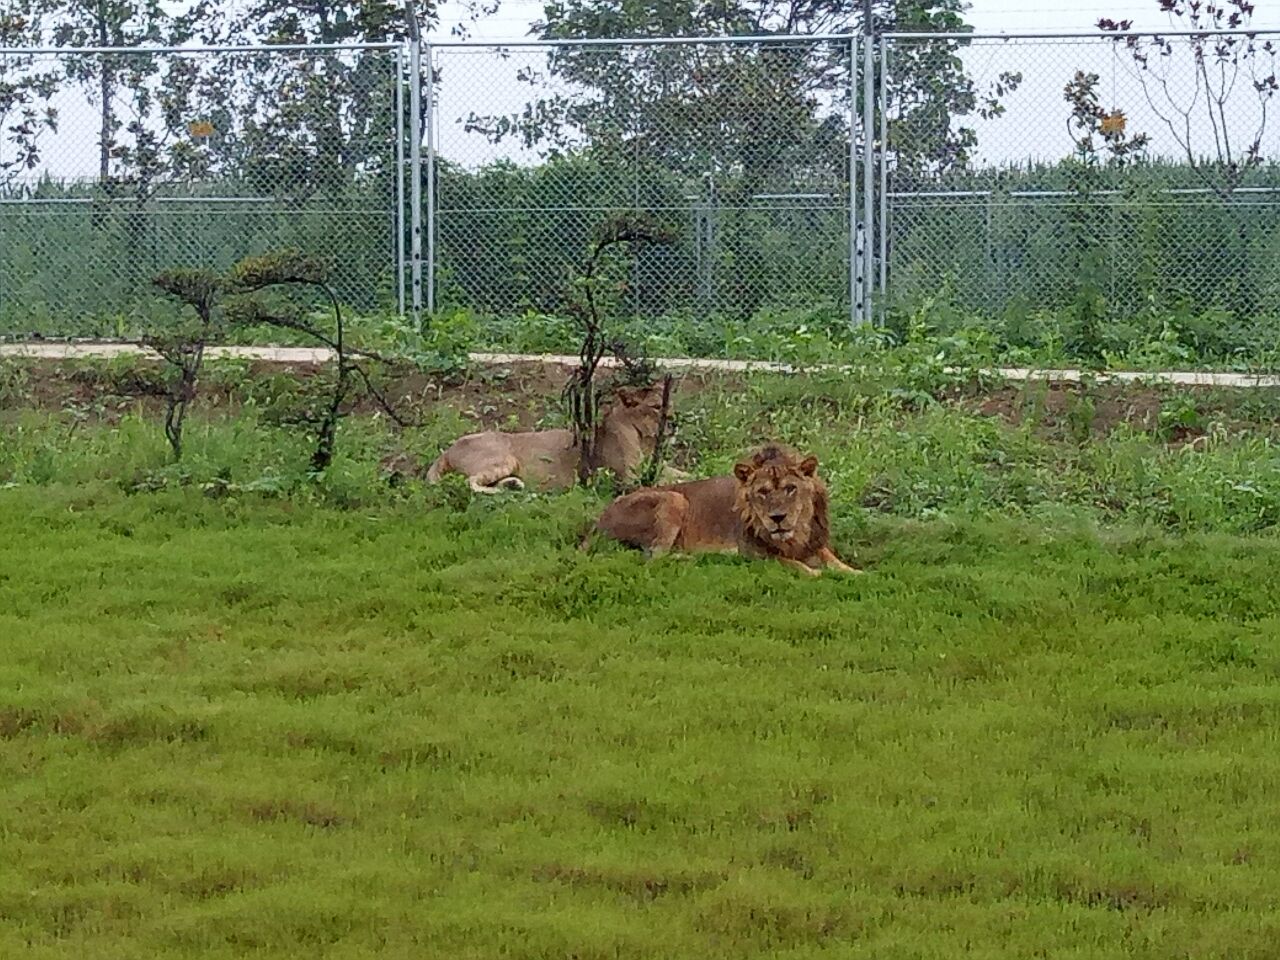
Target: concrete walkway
{"x": 76, "y": 351}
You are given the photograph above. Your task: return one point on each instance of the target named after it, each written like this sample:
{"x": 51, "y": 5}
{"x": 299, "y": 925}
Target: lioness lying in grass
{"x": 774, "y": 505}
{"x": 547, "y": 459}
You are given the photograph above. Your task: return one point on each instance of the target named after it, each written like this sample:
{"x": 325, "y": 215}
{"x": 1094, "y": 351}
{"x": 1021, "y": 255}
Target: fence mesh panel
{"x": 1134, "y": 170}
{"x": 116, "y": 166}
{"x": 1022, "y": 176}
{"x": 742, "y": 149}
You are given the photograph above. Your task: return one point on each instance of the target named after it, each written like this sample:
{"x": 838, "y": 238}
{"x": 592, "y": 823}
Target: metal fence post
{"x": 855, "y": 247}
{"x": 415, "y": 173}
{"x": 884, "y": 178}
{"x": 868, "y": 163}
{"x": 400, "y": 171}
{"x": 431, "y": 180}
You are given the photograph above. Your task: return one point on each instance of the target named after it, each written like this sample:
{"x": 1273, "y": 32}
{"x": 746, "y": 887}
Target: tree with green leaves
{"x": 317, "y": 122}
{"x": 929, "y": 94}
{"x": 134, "y": 93}
{"x": 1207, "y": 113}
{"x": 761, "y": 112}
{"x": 26, "y": 86}
{"x": 253, "y": 276}
{"x": 182, "y": 344}
{"x": 313, "y": 121}
{"x": 732, "y": 111}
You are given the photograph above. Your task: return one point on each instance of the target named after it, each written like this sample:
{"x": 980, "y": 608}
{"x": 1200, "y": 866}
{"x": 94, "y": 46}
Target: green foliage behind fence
{"x": 509, "y": 239}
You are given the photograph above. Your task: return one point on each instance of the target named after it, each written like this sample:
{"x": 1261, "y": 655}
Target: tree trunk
{"x": 106, "y": 92}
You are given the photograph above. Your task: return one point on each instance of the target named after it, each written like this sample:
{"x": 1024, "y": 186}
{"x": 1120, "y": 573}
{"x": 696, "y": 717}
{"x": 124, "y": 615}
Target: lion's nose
{"x": 777, "y": 518}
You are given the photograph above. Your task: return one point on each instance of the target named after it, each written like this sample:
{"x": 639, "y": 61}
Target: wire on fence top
{"x": 229, "y": 48}
{"x": 637, "y": 41}
{"x": 1081, "y": 34}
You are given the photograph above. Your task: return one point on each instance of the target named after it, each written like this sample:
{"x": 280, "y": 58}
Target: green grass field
{"x": 335, "y": 720}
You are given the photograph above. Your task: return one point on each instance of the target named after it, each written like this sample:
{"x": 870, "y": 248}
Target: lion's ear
{"x": 809, "y": 466}
{"x": 743, "y": 471}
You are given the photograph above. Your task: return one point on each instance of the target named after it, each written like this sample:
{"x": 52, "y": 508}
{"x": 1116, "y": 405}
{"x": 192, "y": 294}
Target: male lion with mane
{"x": 774, "y": 505}
{"x": 548, "y": 459}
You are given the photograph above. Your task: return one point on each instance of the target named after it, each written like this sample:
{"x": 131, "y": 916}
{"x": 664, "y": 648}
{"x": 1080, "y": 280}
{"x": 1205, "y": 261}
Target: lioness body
{"x": 548, "y": 459}
{"x": 773, "y": 506}
{"x": 494, "y": 460}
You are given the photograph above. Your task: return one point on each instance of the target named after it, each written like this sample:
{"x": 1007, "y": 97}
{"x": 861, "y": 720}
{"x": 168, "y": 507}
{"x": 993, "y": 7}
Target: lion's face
{"x": 777, "y": 495}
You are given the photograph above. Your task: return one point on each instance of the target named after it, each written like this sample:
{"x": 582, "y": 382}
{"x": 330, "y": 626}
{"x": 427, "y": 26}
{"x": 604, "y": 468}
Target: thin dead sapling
{"x": 631, "y": 232}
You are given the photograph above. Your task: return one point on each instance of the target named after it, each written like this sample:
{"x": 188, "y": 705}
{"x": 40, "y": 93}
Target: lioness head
{"x": 639, "y": 408}
{"x": 780, "y": 498}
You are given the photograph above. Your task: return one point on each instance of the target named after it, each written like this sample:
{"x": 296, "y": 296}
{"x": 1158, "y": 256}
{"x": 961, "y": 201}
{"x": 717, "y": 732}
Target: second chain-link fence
{"x": 1004, "y": 180}
{"x": 115, "y": 166}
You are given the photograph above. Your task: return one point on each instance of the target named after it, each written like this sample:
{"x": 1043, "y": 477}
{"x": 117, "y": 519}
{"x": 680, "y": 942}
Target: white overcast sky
{"x": 1034, "y": 127}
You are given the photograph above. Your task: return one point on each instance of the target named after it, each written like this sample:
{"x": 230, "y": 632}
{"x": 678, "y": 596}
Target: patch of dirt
{"x": 525, "y": 395}
{"x": 1058, "y": 405}
{"x": 1180, "y": 415}
{"x": 512, "y": 397}
{"x": 515, "y": 396}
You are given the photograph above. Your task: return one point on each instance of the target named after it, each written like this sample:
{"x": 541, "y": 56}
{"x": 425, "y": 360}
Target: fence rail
{"x": 1005, "y": 176}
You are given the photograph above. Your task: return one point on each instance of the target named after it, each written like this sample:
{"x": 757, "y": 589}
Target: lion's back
{"x": 695, "y": 515}
{"x": 710, "y": 520}
{"x": 542, "y": 445}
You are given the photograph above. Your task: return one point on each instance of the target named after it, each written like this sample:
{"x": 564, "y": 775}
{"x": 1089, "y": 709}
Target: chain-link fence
{"x": 740, "y": 149}
{"x": 1003, "y": 179}
{"x": 117, "y": 165}
{"x": 1131, "y": 173}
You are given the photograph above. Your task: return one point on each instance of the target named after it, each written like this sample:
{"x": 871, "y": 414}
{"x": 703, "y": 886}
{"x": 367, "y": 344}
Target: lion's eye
{"x": 790, "y": 488}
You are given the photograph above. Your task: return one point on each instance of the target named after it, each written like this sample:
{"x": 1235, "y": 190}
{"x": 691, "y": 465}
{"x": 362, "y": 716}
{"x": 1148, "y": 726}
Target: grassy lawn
{"x": 354, "y": 724}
